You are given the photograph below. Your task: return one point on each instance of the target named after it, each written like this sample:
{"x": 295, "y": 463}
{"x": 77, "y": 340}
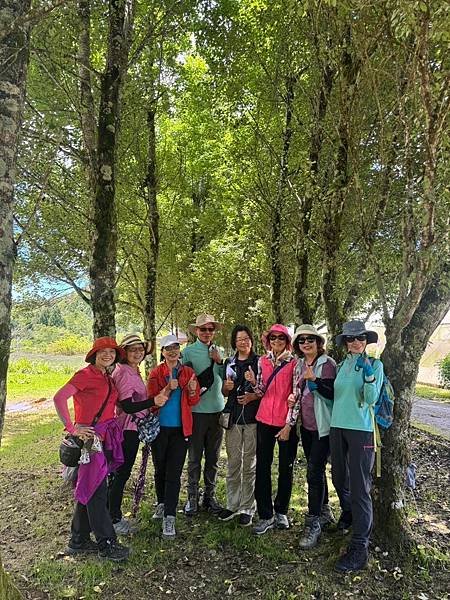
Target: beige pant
{"x": 240, "y": 442}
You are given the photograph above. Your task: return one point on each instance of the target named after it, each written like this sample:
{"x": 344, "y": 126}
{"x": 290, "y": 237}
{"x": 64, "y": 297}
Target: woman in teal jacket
{"x": 312, "y": 404}
{"x": 356, "y": 389}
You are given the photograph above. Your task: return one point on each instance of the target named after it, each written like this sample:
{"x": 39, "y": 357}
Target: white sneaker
{"x": 159, "y": 512}
{"x": 281, "y": 521}
{"x": 168, "y": 527}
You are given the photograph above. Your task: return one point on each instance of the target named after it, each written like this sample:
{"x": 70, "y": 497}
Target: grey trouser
{"x": 206, "y": 438}
{"x": 240, "y": 442}
{"x": 352, "y": 458}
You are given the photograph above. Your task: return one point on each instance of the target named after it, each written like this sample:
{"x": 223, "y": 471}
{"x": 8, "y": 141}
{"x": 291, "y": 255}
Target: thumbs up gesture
{"x": 173, "y": 383}
{"x": 228, "y": 384}
{"x": 250, "y": 376}
{"x": 192, "y": 384}
{"x": 162, "y": 397}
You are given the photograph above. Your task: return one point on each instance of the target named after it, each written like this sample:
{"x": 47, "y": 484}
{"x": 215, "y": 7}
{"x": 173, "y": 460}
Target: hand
{"x": 228, "y": 384}
{"x": 246, "y": 398}
{"x": 250, "y": 376}
{"x": 365, "y": 364}
{"x": 291, "y": 400}
{"x": 312, "y": 385}
{"x": 283, "y": 434}
{"x": 173, "y": 383}
{"x": 84, "y": 432}
{"x": 161, "y": 398}
{"x": 216, "y": 356}
{"x": 192, "y": 384}
{"x": 309, "y": 374}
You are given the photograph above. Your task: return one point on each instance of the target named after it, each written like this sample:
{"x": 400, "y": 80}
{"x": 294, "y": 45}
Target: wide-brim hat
{"x": 101, "y": 343}
{"x": 203, "y": 319}
{"x": 133, "y": 338}
{"x": 168, "y": 340}
{"x": 356, "y": 328}
{"x": 306, "y": 329}
{"x": 276, "y": 328}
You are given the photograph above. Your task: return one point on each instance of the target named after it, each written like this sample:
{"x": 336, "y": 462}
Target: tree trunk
{"x": 276, "y": 230}
{"x": 304, "y": 309}
{"x": 102, "y": 271}
{"x": 153, "y": 231}
{"x": 13, "y": 60}
{"x": 14, "y": 52}
{"x": 401, "y": 359}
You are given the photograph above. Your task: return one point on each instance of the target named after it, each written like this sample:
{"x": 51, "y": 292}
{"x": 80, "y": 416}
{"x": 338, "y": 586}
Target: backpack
{"x": 384, "y": 406}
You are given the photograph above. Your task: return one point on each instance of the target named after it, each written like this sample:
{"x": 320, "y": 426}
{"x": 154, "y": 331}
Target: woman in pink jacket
{"x": 274, "y": 384}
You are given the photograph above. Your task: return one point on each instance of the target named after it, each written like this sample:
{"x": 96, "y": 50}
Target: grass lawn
{"x": 31, "y": 380}
{"x": 209, "y": 560}
{"x": 432, "y": 393}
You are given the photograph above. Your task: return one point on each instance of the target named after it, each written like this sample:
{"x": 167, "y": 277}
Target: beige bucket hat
{"x": 203, "y": 319}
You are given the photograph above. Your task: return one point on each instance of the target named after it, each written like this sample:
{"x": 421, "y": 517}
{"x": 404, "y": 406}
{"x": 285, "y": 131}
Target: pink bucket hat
{"x": 277, "y": 328}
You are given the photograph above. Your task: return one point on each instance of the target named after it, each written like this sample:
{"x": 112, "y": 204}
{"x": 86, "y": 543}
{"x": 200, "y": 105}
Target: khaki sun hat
{"x": 306, "y": 329}
{"x": 203, "y": 319}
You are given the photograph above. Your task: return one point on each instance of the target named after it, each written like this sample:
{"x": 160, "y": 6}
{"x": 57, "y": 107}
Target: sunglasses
{"x": 207, "y": 329}
{"x": 172, "y": 348}
{"x": 273, "y": 338}
{"x": 309, "y": 338}
{"x": 352, "y": 338}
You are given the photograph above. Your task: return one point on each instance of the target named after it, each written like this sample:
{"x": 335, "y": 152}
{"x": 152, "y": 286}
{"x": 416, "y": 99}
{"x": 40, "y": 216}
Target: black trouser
{"x": 287, "y": 451}
{"x": 95, "y": 517}
{"x": 206, "y": 438}
{"x": 130, "y": 446}
{"x": 352, "y": 458}
{"x": 317, "y": 451}
{"x": 169, "y": 453}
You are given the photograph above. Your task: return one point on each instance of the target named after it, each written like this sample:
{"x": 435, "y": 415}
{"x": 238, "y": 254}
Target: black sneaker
{"x": 87, "y": 547}
{"x": 355, "y": 559}
{"x": 191, "y": 506}
{"x": 245, "y": 520}
{"x": 114, "y": 551}
{"x": 212, "y": 506}
{"x": 226, "y": 515}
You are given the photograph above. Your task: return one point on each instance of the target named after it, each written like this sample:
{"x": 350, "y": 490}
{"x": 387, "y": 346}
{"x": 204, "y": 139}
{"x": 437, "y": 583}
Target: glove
{"x": 365, "y": 365}
{"x": 312, "y": 385}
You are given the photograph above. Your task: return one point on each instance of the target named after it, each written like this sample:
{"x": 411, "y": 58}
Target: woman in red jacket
{"x": 178, "y": 384}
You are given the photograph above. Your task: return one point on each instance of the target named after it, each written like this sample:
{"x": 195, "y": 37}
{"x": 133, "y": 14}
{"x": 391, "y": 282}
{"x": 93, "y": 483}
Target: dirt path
{"x": 435, "y": 414}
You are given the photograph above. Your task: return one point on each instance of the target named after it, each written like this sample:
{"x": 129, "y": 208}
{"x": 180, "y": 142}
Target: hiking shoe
{"x": 311, "y": 533}
{"x": 114, "y": 551}
{"x": 344, "y": 522}
{"x": 159, "y": 512}
{"x": 191, "y": 506}
{"x": 264, "y": 525}
{"x": 87, "y": 547}
{"x": 326, "y": 517}
{"x": 168, "y": 527}
{"x": 122, "y": 527}
{"x": 226, "y": 515}
{"x": 281, "y": 521}
{"x": 212, "y": 506}
{"x": 355, "y": 559}
{"x": 245, "y": 520}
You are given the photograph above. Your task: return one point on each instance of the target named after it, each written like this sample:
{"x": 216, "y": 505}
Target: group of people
{"x": 294, "y": 392}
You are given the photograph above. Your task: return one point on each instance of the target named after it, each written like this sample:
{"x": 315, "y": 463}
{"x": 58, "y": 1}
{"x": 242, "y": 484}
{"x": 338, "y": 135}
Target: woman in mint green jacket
{"x": 356, "y": 389}
{"x": 312, "y": 405}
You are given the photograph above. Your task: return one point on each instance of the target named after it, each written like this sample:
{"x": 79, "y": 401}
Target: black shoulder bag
{"x": 71, "y": 445}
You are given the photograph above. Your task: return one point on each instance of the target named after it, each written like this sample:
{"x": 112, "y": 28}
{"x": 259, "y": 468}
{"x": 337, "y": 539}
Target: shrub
{"x": 444, "y": 371}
